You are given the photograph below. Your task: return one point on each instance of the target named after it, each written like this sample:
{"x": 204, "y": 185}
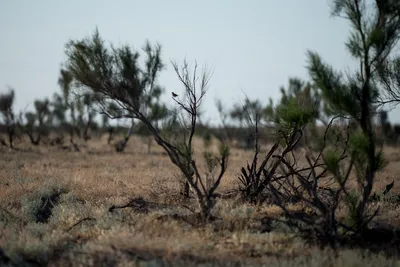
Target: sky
{"x": 252, "y": 46}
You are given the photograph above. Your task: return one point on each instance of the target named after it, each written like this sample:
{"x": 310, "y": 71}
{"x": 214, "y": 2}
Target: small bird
{"x": 174, "y": 95}
{"x": 387, "y": 188}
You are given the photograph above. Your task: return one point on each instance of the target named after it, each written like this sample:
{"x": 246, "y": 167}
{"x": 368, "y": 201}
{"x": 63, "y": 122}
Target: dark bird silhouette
{"x": 174, "y": 95}
{"x": 387, "y": 188}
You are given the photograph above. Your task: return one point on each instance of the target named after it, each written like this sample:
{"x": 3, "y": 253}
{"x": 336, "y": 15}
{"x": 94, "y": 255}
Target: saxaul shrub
{"x": 350, "y": 101}
{"x": 118, "y": 78}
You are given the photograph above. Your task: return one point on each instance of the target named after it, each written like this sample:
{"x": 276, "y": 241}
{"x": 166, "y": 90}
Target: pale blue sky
{"x": 254, "y": 46}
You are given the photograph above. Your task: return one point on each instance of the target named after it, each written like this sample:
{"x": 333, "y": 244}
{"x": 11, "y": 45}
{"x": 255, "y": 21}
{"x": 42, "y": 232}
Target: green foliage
{"x": 224, "y": 150}
{"x": 116, "y": 82}
{"x": 353, "y": 98}
{"x": 115, "y": 72}
{"x": 171, "y": 129}
{"x": 297, "y": 111}
{"x": 59, "y": 108}
{"x": 6, "y": 110}
{"x": 294, "y": 114}
{"x": 359, "y": 149}
{"x": 207, "y": 138}
{"x": 6, "y": 107}
{"x": 332, "y": 161}
{"x": 340, "y": 99}
{"x": 30, "y": 118}
{"x": 156, "y": 111}
{"x": 42, "y": 109}
{"x": 358, "y": 146}
{"x": 351, "y": 200}
{"x": 39, "y": 122}
{"x": 249, "y": 111}
{"x": 269, "y": 110}
{"x": 65, "y": 81}
{"x": 209, "y": 160}
{"x": 81, "y": 105}
{"x": 380, "y": 161}
{"x": 374, "y": 33}
{"x": 6, "y": 103}
{"x": 113, "y": 110}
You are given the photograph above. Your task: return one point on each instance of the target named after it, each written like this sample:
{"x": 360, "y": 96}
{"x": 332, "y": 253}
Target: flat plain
{"x": 55, "y": 211}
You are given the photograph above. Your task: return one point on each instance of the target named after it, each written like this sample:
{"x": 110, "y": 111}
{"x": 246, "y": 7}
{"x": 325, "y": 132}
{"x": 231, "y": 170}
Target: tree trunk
{"x": 34, "y": 141}
{"x": 110, "y": 135}
{"x": 86, "y": 135}
{"x": 71, "y": 139}
{"x": 11, "y": 133}
{"x": 366, "y": 127}
{"x": 149, "y": 142}
{"x": 121, "y": 145}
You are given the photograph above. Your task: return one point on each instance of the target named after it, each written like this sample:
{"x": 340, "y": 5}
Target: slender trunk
{"x": 120, "y": 147}
{"x": 78, "y": 131}
{"x": 149, "y": 142}
{"x": 71, "y": 139}
{"x": 366, "y": 126}
{"x": 3, "y": 142}
{"x": 11, "y": 133}
{"x": 32, "y": 138}
{"x": 86, "y": 135}
{"x": 110, "y": 135}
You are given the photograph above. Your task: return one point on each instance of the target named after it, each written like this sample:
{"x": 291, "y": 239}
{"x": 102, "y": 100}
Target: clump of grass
{"x": 38, "y": 205}
{"x": 72, "y": 210}
{"x": 34, "y": 244}
{"x": 343, "y": 258}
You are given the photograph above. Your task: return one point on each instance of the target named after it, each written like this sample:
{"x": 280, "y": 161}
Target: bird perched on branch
{"x": 174, "y": 95}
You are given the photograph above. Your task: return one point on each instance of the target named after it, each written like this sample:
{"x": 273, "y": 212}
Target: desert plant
{"x": 371, "y": 41}
{"x": 388, "y": 134}
{"x": 88, "y": 101}
{"x": 352, "y": 99}
{"x": 118, "y": 78}
{"x": 37, "y": 123}
{"x": 223, "y": 135}
{"x": 58, "y": 109}
{"x": 290, "y": 119}
{"x": 106, "y": 127}
{"x": 121, "y": 145}
{"x": 38, "y": 205}
{"x": 381, "y": 35}
{"x": 81, "y": 107}
{"x": 116, "y": 112}
{"x": 65, "y": 80}
{"x": 6, "y": 110}
{"x": 241, "y": 114}
{"x": 158, "y": 114}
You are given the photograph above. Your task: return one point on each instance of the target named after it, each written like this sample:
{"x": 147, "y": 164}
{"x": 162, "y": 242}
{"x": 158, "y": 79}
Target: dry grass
{"x": 81, "y": 231}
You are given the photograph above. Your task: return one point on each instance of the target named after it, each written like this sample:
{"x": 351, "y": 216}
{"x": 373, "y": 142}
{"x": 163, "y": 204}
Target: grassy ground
{"x": 79, "y": 188}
